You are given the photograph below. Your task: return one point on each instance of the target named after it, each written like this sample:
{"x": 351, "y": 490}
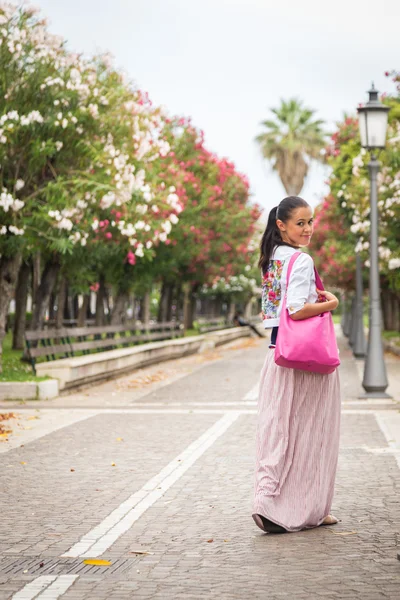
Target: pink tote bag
{"x": 309, "y": 344}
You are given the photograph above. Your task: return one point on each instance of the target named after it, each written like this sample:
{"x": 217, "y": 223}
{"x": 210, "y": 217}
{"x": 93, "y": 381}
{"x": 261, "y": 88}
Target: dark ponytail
{"x": 272, "y": 236}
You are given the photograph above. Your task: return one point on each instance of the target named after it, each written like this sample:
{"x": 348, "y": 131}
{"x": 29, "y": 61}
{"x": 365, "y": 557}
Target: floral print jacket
{"x": 271, "y": 290}
{"x": 302, "y": 287}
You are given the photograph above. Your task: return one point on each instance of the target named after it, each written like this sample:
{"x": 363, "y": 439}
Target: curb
{"x": 29, "y": 390}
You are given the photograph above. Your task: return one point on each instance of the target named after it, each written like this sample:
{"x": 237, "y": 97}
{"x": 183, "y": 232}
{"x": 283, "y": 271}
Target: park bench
{"x": 66, "y": 342}
{"x": 207, "y": 325}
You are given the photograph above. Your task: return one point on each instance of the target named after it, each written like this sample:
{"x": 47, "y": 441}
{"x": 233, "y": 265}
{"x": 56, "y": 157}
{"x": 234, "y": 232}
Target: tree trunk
{"x": 247, "y": 308}
{"x": 396, "y": 312}
{"x": 47, "y": 283}
{"x": 386, "y": 302}
{"x": 119, "y": 309}
{"x": 170, "y": 298}
{"x": 83, "y": 310}
{"x": 232, "y": 309}
{"x": 61, "y": 302}
{"x": 101, "y": 295}
{"x": 146, "y": 308}
{"x": 21, "y": 299}
{"x": 189, "y": 305}
{"x": 9, "y": 268}
{"x": 35, "y": 273}
{"x": 163, "y": 305}
{"x": 52, "y": 301}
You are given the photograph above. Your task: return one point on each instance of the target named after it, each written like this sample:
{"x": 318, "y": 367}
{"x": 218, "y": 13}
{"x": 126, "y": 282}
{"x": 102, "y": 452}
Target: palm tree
{"x": 291, "y": 140}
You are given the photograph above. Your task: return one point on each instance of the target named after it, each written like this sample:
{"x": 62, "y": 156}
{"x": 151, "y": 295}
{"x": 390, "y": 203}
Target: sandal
{"x": 268, "y": 526}
{"x": 329, "y": 520}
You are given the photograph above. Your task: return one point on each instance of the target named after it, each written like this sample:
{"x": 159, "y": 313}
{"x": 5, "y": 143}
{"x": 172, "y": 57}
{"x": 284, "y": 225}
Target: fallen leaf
{"x": 23, "y": 463}
{"x": 226, "y": 540}
{"x": 2, "y": 435}
{"x": 72, "y": 470}
{"x": 120, "y": 439}
{"x": 33, "y": 417}
{"x": 343, "y": 532}
{"x": 41, "y": 564}
{"x": 139, "y": 552}
{"x": 113, "y": 465}
{"x": 28, "y": 427}
{"x": 209, "y": 541}
{"x": 97, "y": 562}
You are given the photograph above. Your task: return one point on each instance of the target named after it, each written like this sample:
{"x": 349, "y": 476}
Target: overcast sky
{"x": 226, "y": 62}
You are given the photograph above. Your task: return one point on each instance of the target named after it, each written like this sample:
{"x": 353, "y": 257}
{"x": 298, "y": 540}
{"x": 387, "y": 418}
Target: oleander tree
{"x": 214, "y": 235}
{"x": 344, "y": 214}
{"x": 74, "y": 143}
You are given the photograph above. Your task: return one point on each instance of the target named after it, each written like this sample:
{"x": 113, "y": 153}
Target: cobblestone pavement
{"x": 153, "y": 473}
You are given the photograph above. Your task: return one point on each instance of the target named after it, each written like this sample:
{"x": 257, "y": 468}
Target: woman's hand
{"x": 329, "y": 297}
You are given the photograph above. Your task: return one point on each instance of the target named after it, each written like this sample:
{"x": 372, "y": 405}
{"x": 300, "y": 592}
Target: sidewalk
{"x": 153, "y": 473}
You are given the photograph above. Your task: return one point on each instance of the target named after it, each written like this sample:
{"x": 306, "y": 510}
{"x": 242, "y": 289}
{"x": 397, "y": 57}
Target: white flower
{"x": 64, "y": 123}
{"x": 149, "y": 244}
{"x": 139, "y": 250}
{"x": 65, "y": 223}
{"x": 166, "y": 226}
{"x": 94, "y": 110}
{"x": 174, "y": 219}
{"x": 3, "y": 230}
{"x": 19, "y": 184}
{"x": 59, "y": 145}
{"x": 141, "y": 209}
{"x": 163, "y": 237}
{"x": 394, "y": 263}
{"x": 15, "y": 230}
{"x": 140, "y": 225}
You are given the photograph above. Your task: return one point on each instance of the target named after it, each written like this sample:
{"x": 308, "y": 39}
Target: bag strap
{"x": 318, "y": 280}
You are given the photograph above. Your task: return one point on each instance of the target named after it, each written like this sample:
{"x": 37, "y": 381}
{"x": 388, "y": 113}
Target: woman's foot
{"x": 330, "y": 520}
{"x": 267, "y": 525}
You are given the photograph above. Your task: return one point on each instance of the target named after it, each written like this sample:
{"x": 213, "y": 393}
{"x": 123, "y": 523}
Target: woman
{"x": 298, "y": 411}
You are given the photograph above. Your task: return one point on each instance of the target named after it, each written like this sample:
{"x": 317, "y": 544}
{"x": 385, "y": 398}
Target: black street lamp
{"x": 373, "y": 118}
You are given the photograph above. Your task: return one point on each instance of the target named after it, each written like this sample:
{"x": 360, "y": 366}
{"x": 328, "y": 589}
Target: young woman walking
{"x": 298, "y": 411}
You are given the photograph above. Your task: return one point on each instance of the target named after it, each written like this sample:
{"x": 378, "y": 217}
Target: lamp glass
{"x": 373, "y": 125}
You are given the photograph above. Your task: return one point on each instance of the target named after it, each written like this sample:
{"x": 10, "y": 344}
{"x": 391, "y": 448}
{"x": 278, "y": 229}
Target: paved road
{"x": 154, "y": 472}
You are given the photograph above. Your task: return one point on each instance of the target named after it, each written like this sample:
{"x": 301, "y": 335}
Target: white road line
{"x": 253, "y": 393}
{"x": 97, "y": 541}
{"x": 165, "y": 404}
{"x": 47, "y": 587}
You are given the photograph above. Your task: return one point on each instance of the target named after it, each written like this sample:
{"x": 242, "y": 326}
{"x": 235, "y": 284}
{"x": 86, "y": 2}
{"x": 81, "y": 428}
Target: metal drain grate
{"x": 62, "y": 566}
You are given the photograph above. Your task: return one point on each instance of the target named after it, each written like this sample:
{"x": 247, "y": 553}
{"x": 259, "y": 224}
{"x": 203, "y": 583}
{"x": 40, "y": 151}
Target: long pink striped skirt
{"x": 297, "y": 445}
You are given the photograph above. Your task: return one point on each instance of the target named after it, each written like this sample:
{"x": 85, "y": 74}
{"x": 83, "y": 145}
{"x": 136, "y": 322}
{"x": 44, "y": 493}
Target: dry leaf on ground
{"x": 97, "y": 562}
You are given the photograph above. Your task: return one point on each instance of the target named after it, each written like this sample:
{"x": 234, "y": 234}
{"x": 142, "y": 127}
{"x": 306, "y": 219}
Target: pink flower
{"x": 130, "y": 258}
{"x": 94, "y": 287}
{"x": 109, "y": 235}
{"x": 271, "y": 295}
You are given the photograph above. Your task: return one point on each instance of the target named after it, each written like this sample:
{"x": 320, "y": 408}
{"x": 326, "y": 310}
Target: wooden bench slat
{"x": 48, "y": 350}
{"x": 80, "y": 339}
{"x": 46, "y": 334}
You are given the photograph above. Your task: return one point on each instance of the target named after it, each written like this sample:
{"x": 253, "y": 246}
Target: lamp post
{"x": 359, "y": 342}
{"x": 373, "y": 118}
